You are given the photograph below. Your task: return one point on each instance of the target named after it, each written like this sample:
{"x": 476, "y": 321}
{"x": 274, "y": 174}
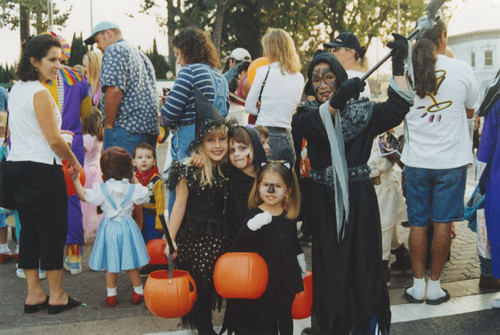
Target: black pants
{"x": 40, "y": 191}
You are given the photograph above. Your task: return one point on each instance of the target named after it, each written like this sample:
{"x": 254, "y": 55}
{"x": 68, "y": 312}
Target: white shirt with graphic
{"x": 436, "y": 133}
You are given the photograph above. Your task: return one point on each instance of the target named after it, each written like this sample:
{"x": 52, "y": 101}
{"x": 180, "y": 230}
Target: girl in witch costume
{"x": 349, "y": 290}
{"x": 196, "y": 222}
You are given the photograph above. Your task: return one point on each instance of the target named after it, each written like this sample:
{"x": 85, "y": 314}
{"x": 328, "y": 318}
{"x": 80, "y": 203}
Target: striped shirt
{"x": 179, "y": 109}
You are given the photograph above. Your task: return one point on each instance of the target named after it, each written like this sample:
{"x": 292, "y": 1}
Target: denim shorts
{"x": 119, "y": 137}
{"x": 435, "y": 195}
{"x": 281, "y": 144}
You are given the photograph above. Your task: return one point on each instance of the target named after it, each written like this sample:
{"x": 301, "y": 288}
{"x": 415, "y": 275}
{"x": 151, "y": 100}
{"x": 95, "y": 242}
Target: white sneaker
{"x": 74, "y": 268}
{"x": 41, "y": 274}
{"x": 496, "y": 303}
{"x": 20, "y": 273}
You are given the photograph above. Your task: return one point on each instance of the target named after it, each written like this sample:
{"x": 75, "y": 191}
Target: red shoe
{"x": 111, "y": 301}
{"x": 137, "y": 298}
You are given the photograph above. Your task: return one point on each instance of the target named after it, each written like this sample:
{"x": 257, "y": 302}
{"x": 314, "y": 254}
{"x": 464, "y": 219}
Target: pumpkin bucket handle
{"x": 170, "y": 245}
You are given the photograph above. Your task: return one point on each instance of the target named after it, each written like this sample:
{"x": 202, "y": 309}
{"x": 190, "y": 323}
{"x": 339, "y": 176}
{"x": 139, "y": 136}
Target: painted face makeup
{"x": 272, "y": 189}
{"x": 240, "y": 155}
{"x": 324, "y": 82}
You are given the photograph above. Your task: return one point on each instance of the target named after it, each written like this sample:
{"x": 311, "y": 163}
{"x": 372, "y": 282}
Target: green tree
{"x": 159, "y": 62}
{"x": 7, "y": 73}
{"x": 29, "y": 13}
{"x": 78, "y": 49}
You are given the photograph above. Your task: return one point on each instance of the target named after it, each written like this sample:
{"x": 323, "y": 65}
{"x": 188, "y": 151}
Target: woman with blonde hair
{"x": 276, "y": 92}
{"x": 92, "y": 68}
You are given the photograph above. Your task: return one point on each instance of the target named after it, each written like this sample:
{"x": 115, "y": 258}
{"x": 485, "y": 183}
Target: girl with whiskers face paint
{"x": 271, "y": 231}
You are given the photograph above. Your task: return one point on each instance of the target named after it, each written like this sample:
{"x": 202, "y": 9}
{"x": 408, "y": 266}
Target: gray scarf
{"x": 339, "y": 165}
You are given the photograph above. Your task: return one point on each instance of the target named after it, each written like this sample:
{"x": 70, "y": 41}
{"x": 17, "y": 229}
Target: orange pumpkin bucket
{"x": 155, "y": 248}
{"x": 169, "y": 297}
{"x": 241, "y": 275}
{"x": 172, "y": 293}
{"x": 302, "y": 304}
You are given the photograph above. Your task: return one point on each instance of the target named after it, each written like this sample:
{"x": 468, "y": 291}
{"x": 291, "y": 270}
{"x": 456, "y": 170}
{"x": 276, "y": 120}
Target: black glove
{"x": 349, "y": 89}
{"x": 399, "y": 54}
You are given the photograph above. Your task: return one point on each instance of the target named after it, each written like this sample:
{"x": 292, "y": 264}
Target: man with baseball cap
{"x": 129, "y": 97}
{"x": 350, "y": 53}
{"x": 239, "y": 60}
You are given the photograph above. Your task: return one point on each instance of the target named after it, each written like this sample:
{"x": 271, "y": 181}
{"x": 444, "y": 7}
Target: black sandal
{"x": 28, "y": 309}
{"x": 439, "y": 301}
{"x": 72, "y": 303}
{"x": 411, "y": 299}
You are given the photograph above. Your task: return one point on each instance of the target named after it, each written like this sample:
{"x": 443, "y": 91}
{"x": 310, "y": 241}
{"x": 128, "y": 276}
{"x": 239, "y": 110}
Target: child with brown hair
{"x": 148, "y": 175}
{"x": 271, "y": 231}
{"x": 119, "y": 245}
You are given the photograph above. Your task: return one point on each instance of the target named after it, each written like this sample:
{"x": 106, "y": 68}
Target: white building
{"x": 481, "y": 50}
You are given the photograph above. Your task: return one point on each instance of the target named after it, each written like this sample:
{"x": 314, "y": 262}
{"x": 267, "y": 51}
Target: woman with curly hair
{"x": 276, "y": 92}
{"x": 197, "y": 56}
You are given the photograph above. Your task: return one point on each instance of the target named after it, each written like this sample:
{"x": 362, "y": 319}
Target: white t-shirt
{"x": 354, "y": 74}
{"x": 436, "y": 133}
{"x": 280, "y": 96}
{"x": 28, "y": 142}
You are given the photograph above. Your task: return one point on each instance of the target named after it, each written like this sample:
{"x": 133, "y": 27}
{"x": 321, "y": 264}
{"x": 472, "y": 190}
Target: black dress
{"x": 239, "y": 187}
{"x": 277, "y": 243}
{"x": 202, "y": 238}
{"x": 348, "y": 280}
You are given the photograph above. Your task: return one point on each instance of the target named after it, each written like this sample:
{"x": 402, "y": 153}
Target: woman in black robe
{"x": 350, "y": 293}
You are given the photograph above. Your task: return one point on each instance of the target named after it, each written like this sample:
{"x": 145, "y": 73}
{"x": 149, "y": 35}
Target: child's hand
{"x": 73, "y": 174}
{"x": 167, "y": 250}
{"x": 259, "y": 220}
{"x": 196, "y": 160}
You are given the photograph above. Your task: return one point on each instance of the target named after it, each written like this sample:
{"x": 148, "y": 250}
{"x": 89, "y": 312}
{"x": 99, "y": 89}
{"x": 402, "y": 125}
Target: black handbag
{"x": 7, "y": 199}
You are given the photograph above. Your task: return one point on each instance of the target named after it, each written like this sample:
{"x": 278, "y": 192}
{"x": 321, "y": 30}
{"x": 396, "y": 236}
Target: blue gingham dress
{"x": 119, "y": 244}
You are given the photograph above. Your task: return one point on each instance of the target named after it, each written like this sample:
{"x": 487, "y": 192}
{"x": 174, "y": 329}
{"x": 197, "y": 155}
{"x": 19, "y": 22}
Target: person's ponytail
{"x": 424, "y": 60}
{"x": 424, "y": 57}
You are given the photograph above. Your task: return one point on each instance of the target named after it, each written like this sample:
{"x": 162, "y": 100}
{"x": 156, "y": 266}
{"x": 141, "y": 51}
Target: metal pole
{"x": 399, "y": 18}
{"x": 49, "y": 15}
{"x": 91, "y": 17}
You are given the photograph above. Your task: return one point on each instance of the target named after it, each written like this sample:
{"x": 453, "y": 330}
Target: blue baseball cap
{"x": 101, "y": 26}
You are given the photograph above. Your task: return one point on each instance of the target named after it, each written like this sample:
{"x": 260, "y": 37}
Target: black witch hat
{"x": 207, "y": 116}
{"x": 259, "y": 154}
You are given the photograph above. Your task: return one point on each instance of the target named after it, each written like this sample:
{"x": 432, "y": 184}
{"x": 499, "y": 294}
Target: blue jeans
{"x": 183, "y": 136}
{"x": 281, "y": 144}
{"x": 119, "y": 137}
{"x": 435, "y": 195}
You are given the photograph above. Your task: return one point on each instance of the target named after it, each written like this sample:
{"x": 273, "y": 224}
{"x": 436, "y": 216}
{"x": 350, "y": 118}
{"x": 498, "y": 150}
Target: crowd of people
{"x": 320, "y": 152}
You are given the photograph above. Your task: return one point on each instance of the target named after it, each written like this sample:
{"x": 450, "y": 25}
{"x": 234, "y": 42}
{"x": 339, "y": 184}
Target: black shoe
{"x": 306, "y": 331}
{"x": 411, "y": 299}
{"x": 28, "y": 309}
{"x": 148, "y": 268}
{"x": 489, "y": 283}
{"x": 72, "y": 303}
{"x": 403, "y": 260}
{"x": 439, "y": 301}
